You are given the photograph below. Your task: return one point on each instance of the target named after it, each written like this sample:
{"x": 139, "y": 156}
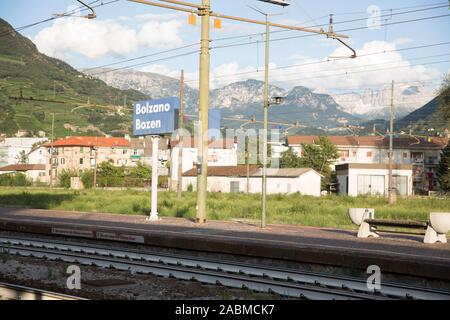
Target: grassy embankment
{"x": 328, "y": 211}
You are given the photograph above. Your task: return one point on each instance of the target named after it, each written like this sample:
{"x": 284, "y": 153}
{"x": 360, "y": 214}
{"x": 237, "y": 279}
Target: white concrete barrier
{"x": 438, "y": 228}
{"x": 358, "y": 215}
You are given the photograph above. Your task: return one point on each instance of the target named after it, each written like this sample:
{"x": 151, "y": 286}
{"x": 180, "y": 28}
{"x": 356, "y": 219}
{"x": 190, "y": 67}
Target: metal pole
{"x": 95, "y": 169}
{"x": 180, "y": 138}
{"x": 52, "y": 151}
{"x": 154, "y": 204}
{"x": 202, "y": 142}
{"x": 247, "y": 156}
{"x": 391, "y": 146}
{"x": 266, "y": 110}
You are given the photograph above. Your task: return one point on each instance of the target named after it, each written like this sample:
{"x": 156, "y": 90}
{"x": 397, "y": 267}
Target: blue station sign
{"x": 155, "y": 117}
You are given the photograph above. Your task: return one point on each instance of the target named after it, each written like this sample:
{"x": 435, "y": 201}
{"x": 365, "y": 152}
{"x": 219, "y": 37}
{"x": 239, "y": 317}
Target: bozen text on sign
{"x": 155, "y": 117}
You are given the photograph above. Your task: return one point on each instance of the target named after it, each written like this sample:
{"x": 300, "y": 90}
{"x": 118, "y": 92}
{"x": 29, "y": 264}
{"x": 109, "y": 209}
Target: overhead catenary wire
{"x": 145, "y": 63}
{"x": 327, "y": 24}
{"x": 343, "y": 30}
{"x": 329, "y": 61}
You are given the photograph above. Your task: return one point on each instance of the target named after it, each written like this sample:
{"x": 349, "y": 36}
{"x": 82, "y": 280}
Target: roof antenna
{"x": 330, "y": 35}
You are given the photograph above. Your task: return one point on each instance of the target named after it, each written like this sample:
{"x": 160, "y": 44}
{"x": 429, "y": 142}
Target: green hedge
{"x": 14, "y": 180}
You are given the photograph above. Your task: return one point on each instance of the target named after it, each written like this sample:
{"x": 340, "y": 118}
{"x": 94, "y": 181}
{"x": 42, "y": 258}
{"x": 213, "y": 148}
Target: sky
{"x": 126, "y": 30}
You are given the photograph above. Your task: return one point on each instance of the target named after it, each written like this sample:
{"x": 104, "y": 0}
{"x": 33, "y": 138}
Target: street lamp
{"x": 276, "y": 100}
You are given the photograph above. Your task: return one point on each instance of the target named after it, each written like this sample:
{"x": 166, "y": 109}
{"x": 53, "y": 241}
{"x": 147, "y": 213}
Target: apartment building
{"x": 82, "y": 153}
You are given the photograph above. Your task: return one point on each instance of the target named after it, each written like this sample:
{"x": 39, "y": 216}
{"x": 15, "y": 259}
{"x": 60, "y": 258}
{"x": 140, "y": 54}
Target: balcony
{"x": 431, "y": 163}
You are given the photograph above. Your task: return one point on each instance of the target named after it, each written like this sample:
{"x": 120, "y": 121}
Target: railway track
{"x": 10, "y": 291}
{"x": 286, "y": 282}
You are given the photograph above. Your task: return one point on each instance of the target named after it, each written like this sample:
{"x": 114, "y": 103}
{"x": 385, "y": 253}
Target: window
{"x": 81, "y": 161}
{"x": 63, "y": 161}
{"x": 354, "y": 153}
{"x": 234, "y": 186}
{"x": 369, "y": 154}
{"x": 81, "y": 149}
{"x": 125, "y": 151}
{"x": 405, "y": 155}
{"x": 344, "y": 153}
{"x": 135, "y": 152}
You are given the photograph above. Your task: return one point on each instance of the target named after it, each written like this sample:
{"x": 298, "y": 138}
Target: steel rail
{"x": 10, "y": 291}
{"x": 199, "y": 268}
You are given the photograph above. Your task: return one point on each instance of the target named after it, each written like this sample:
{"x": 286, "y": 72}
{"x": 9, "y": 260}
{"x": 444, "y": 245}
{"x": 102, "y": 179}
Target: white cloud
{"x": 330, "y": 75}
{"x": 319, "y": 75}
{"x": 99, "y": 38}
{"x": 161, "y": 69}
{"x": 402, "y": 41}
{"x": 160, "y": 34}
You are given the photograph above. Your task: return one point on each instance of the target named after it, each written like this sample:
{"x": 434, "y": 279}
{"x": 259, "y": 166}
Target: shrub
{"x": 87, "y": 177}
{"x": 190, "y": 187}
{"x": 14, "y": 180}
{"x": 64, "y": 178}
{"x": 140, "y": 172}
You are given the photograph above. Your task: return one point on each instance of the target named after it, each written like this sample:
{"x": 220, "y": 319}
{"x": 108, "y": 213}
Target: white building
{"x": 236, "y": 179}
{"x": 34, "y": 172}
{"x": 10, "y": 148}
{"x": 373, "y": 179}
{"x": 220, "y": 153}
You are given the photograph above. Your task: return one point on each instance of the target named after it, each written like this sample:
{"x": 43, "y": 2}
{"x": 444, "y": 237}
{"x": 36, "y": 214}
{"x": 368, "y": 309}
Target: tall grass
{"x": 330, "y": 211}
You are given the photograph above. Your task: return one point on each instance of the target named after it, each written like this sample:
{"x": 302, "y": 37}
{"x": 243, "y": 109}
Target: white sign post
{"x": 154, "y": 204}
{"x": 155, "y": 118}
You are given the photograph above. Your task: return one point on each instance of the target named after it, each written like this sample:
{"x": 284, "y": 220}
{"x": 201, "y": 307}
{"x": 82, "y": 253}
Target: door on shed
{"x": 371, "y": 185}
{"x": 400, "y": 185}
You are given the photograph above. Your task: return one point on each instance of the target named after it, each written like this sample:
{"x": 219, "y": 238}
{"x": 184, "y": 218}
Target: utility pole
{"x": 391, "y": 147}
{"x": 95, "y": 168}
{"x": 247, "y": 159}
{"x": 265, "y": 129}
{"x": 180, "y": 138}
{"x": 52, "y": 151}
{"x": 203, "y": 107}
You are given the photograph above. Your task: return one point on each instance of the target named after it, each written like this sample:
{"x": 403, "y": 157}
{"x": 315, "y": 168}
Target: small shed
{"x": 373, "y": 179}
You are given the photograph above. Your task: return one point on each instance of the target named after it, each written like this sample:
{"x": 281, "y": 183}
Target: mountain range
{"x": 373, "y": 104}
{"x": 44, "y": 86}
{"x": 244, "y": 100}
{"x": 241, "y": 100}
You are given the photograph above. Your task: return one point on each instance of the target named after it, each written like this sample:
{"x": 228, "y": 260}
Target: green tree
{"x": 444, "y": 99}
{"x": 87, "y": 177}
{"x": 65, "y": 176}
{"x": 22, "y": 157}
{"x": 443, "y": 171}
{"x": 319, "y": 156}
{"x": 107, "y": 169}
{"x": 140, "y": 172}
{"x": 289, "y": 159}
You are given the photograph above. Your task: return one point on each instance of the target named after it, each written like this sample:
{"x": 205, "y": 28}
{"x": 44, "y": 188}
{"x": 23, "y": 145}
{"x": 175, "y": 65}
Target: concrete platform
{"x": 398, "y": 254}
